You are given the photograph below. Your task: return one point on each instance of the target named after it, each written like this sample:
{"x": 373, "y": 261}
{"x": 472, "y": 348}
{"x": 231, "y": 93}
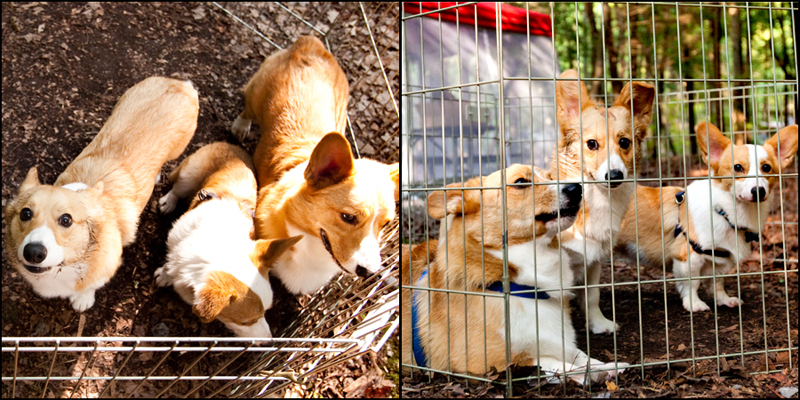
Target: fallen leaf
{"x": 610, "y": 385}
{"x": 681, "y": 347}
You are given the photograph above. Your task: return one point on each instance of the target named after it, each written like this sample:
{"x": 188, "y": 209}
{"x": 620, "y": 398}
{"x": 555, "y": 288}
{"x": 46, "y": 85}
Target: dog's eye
{"x": 738, "y": 168}
{"x": 349, "y": 218}
{"x": 766, "y": 168}
{"x": 521, "y": 180}
{"x": 65, "y": 220}
{"x": 26, "y": 214}
{"x": 624, "y": 143}
{"x": 592, "y": 144}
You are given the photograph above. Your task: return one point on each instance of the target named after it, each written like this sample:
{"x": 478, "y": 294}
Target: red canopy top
{"x": 514, "y": 18}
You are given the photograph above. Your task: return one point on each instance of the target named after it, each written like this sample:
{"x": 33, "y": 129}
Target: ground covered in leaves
{"x": 65, "y": 65}
{"x": 655, "y": 328}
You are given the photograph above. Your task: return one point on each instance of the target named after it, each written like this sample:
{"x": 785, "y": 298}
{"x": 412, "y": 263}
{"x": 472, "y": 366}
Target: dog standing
{"x": 66, "y": 239}
{"x": 212, "y": 261}
{"x": 723, "y": 216}
{"x": 602, "y": 158}
{"x": 309, "y": 183}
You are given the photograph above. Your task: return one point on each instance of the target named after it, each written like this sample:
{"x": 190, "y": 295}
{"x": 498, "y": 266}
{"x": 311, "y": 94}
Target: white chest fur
{"x": 711, "y": 228}
{"x": 308, "y": 266}
{"x": 59, "y": 281}
{"x": 603, "y": 219}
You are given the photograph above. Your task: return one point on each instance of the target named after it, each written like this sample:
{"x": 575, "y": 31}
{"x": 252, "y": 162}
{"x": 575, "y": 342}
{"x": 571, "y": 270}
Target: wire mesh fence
{"x": 480, "y": 94}
{"x": 350, "y": 318}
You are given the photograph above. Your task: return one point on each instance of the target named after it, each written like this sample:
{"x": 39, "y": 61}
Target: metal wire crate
{"x": 459, "y": 124}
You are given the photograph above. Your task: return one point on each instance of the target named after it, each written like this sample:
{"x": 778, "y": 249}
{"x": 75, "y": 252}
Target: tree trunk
{"x": 735, "y": 37}
{"x": 597, "y": 49}
{"x": 716, "y": 105}
{"x": 611, "y": 51}
{"x": 690, "y": 105}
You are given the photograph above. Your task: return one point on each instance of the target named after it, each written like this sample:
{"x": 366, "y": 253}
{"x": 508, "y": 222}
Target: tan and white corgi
{"x": 469, "y": 258}
{"x": 212, "y": 261}
{"x": 715, "y": 220}
{"x": 66, "y": 239}
{"x": 309, "y": 183}
{"x": 600, "y": 144}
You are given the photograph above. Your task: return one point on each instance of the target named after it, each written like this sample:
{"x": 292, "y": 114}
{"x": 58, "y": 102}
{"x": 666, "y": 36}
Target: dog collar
{"x": 324, "y": 236}
{"x": 514, "y": 287}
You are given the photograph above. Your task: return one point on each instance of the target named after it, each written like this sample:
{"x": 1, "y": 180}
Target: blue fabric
{"x": 416, "y": 341}
{"x": 498, "y": 287}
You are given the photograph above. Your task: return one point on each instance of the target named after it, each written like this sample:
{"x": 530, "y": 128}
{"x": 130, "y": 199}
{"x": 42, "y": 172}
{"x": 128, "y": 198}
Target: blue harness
{"x": 416, "y": 341}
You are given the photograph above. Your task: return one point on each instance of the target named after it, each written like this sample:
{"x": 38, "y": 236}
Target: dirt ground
{"x": 655, "y": 328}
{"x": 65, "y": 65}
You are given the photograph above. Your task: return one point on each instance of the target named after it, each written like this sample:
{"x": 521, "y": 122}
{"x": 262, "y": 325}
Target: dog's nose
{"x": 759, "y": 193}
{"x": 615, "y": 175}
{"x": 573, "y": 192}
{"x": 363, "y": 272}
{"x": 34, "y": 252}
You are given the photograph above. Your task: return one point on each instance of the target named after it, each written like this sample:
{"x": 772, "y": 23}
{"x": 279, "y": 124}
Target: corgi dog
{"x": 66, "y": 239}
{"x": 309, "y": 183}
{"x": 601, "y": 144}
{"x": 212, "y": 261}
{"x": 469, "y": 258}
{"x": 710, "y": 221}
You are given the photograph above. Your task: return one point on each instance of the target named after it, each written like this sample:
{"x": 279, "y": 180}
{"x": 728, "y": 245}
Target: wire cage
{"x": 348, "y": 318}
{"x": 732, "y": 64}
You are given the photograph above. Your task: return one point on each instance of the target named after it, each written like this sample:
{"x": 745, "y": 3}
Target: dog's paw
{"x": 82, "y": 301}
{"x": 603, "y": 326}
{"x": 730, "y": 302}
{"x": 696, "y": 306}
{"x": 241, "y": 128}
{"x": 162, "y": 278}
{"x": 167, "y": 203}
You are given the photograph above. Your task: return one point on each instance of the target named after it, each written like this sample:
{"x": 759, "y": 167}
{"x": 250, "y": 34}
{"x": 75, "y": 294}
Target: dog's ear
{"x": 394, "y": 173}
{"x": 457, "y": 202}
{"x": 711, "y": 142}
{"x": 640, "y": 95}
{"x": 267, "y": 251}
{"x": 788, "y": 141}
{"x": 571, "y": 98}
{"x": 31, "y": 180}
{"x": 213, "y": 297}
{"x": 331, "y": 162}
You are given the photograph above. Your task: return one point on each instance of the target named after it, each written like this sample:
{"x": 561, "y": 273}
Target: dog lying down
{"x": 466, "y": 333}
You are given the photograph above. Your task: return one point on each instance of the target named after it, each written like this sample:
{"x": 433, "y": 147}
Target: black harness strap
{"x": 749, "y": 236}
{"x": 679, "y": 197}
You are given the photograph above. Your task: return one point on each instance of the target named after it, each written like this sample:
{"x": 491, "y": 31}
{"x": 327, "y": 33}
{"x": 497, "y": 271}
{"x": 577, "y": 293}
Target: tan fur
{"x": 414, "y": 259}
{"x": 464, "y": 266}
{"x": 650, "y": 203}
{"x": 221, "y": 168}
{"x": 152, "y": 123}
{"x": 297, "y": 96}
{"x": 306, "y": 173}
